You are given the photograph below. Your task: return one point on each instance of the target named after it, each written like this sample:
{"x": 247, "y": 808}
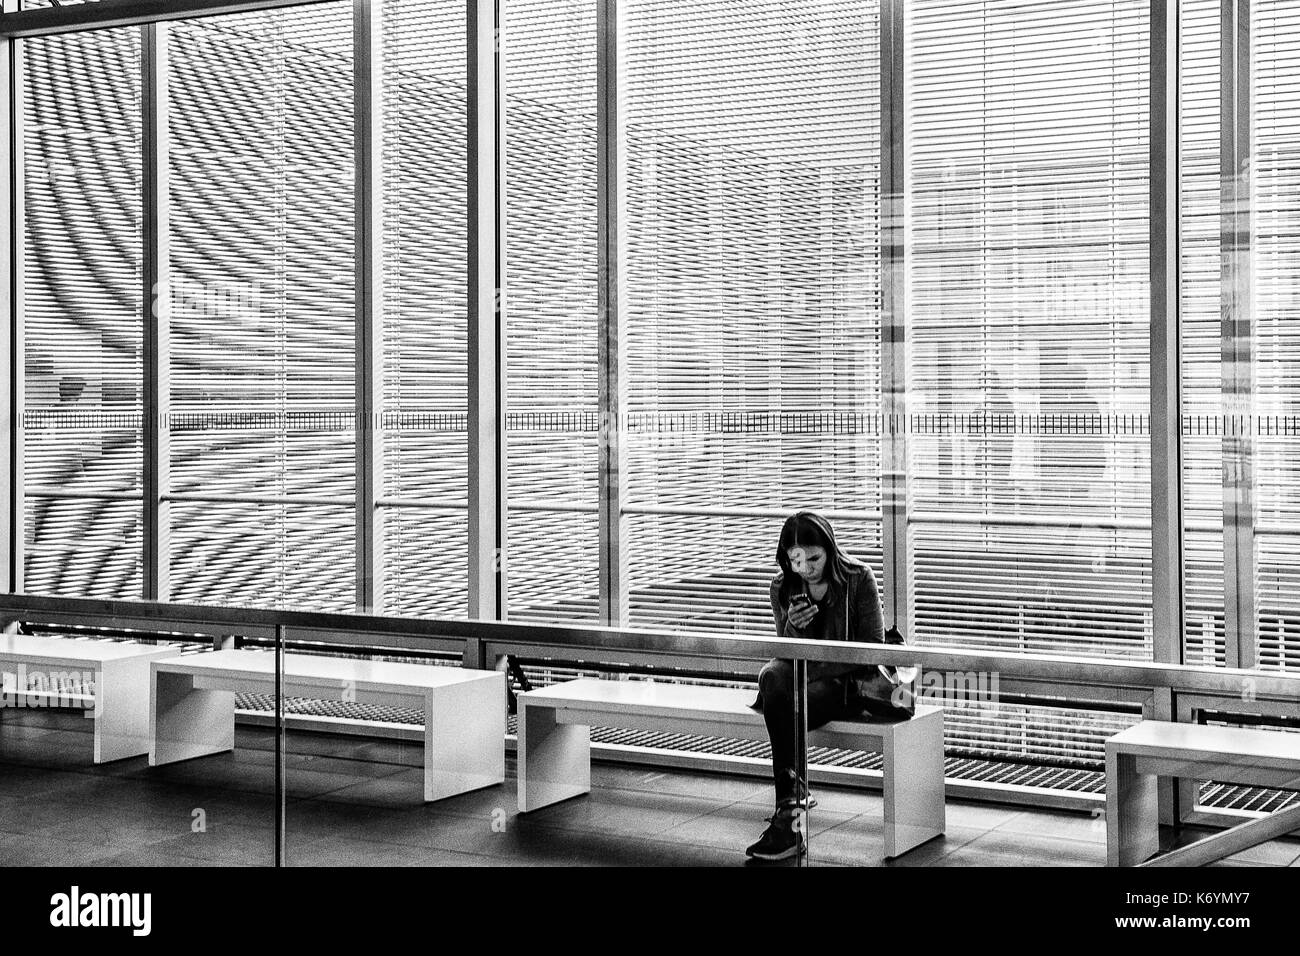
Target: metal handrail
{"x": 703, "y": 646}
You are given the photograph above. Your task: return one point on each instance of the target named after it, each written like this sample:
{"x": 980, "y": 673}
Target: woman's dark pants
{"x": 826, "y": 702}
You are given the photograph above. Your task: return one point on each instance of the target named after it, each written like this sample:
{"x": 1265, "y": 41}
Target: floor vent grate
{"x": 955, "y": 767}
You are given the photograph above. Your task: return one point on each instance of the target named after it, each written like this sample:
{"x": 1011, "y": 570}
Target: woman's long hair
{"x": 809, "y": 529}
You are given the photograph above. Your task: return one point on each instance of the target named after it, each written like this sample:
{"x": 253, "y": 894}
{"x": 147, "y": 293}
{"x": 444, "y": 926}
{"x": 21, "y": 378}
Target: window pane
{"x": 424, "y": 415}
{"x": 1202, "y": 332}
{"x": 752, "y": 295}
{"x": 262, "y": 324}
{"x": 552, "y": 378}
{"x": 83, "y": 325}
{"x": 1028, "y": 325}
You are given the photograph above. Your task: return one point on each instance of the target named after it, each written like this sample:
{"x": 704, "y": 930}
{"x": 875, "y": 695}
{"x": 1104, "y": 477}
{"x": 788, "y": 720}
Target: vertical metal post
{"x": 893, "y": 316}
{"x": 368, "y": 126}
{"x": 1166, "y": 417}
{"x": 280, "y": 798}
{"x": 12, "y": 468}
{"x": 1167, "y": 566}
{"x": 486, "y": 374}
{"x": 156, "y": 303}
{"x": 611, "y": 145}
{"x": 502, "y": 549}
{"x": 1237, "y": 330}
{"x": 801, "y": 746}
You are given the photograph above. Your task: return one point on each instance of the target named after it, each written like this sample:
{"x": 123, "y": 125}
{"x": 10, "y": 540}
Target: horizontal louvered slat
{"x": 713, "y": 572}
{"x": 298, "y": 557}
{"x": 425, "y": 561}
{"x": 83, "y": 548}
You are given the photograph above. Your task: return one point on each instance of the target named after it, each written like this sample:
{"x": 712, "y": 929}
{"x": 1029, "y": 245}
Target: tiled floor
{"x": 357, "y": 802}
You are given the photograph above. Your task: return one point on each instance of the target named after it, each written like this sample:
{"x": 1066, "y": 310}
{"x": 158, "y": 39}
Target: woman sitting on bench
{"x": 820, "y": 594}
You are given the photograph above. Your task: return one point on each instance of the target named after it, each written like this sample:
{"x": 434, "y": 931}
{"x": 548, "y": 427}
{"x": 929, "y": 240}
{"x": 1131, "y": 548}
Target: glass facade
{"x": 694, "y": 260}
{"x": 746, "y": 171}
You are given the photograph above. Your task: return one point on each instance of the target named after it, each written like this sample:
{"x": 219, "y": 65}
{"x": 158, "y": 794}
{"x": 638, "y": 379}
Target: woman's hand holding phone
{"x": 802, "y": 610}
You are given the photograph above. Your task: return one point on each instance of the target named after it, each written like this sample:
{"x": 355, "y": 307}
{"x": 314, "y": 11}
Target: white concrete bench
{"x": 1137, "y": 757}
{"x": 193, "y": 707}
{"x": 554, "y": 752}
{"x": 110, "y": 679}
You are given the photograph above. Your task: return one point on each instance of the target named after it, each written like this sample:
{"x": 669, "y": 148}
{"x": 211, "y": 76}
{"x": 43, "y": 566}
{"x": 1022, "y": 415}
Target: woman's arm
{"x": 866, "y": 623}
{"x": 779, "y": 613}
{"x": 869, "y": 620}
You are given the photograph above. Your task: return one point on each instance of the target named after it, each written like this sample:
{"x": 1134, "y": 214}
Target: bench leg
{"x": 464, "y": 738}
{"x": 1132, "y": 811}
{"x": 913, "y": 784}
{"x": 121, "y": 711}
{"x": 186, "y": 722}
{"x": 554, "y": 759}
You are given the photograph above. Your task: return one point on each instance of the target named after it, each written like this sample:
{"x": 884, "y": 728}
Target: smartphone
{"x": 799, "y": 600}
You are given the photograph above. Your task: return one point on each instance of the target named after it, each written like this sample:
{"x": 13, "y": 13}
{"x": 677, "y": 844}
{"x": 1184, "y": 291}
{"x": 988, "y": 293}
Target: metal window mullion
{"x": 501, "y": 552}
{"x": 1237, "y": 324}
{"x": 1167, "y": 559}
{"x": 156, "y": 299}
{"x": 611, "y": 146}
{"x": 11, "y": 69}
{"x": 367, "y": 118}
{"x": 893, "y": 316}
{"x": 485, "y": 354}
{"x": 281, "y": 752}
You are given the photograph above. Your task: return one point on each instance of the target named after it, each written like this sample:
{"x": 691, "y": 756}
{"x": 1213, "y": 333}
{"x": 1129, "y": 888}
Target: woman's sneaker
{"x": 782, "y": 839}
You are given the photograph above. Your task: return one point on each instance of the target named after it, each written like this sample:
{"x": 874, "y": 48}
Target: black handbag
{"x": 882, "y": 691}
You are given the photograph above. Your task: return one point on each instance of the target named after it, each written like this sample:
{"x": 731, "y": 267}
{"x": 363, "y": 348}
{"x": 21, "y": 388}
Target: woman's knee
{"x": 776, "y": 678}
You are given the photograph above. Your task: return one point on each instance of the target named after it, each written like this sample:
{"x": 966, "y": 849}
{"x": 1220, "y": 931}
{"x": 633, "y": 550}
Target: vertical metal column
{"x": 502, "y": 550}
{"x": 1167, "y": 566}
{"x": 1237, "y": 330}
{"x": 893, "y": 316}
{"x": 611, "y": 146}
{"x": 280, "y": 748}
{"x": 157, "y": 301}
{"x": 368, "y": 126}
{"x": 12, "y": 468}
{"x": 1166, "y": 419}
{"x": 486, "y": 355}
{"x": 800, "y": 678}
